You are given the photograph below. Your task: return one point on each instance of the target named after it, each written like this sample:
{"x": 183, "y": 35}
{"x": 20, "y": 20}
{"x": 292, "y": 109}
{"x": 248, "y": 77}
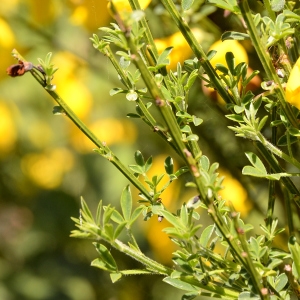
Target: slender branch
{"x": 102, "y": 147}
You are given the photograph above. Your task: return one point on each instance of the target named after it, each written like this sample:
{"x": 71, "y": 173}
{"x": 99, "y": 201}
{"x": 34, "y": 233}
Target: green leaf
{"x": 108, "y": 211}
{"x": 86, "y": 211}
{"x": 116, "y": 91}
{"x": 119, "y": 229}
{"x": 197, "y": 121}
{"x": 132, "y": 96}
{"x": 251, "y": 171}
{"x": 179, "y": 284}
{"x": 235, "y": 118}
{"x": 230, "y": 60}
{"x": 126, "y": 203}
{"x": 169, "y": 165}
{"x": 204, "y": 163}
{"x": 139, "y": 158}
{"x": 99, "y": 213}
{"x": 233, "y": 35}
{"x": 136, "y": 214}
{"x": 294, "y": 248}
{"x": 148, "y": 164}
{"x": 283, "y": 140}
{"x": 256, "y": 162}
{"x": 163, "y": 59}
{"x": 262, "y": 123}
{"x": 186, "y": 4}
{"x": 109, "y": 231}
{"x": 206, "y": 235}
{"x": 175, "y": 221}
{"x": 281, "y": 282}
{"x": 277, "y": 5}
{"x": 294, "y": 131}
{"x": 117, "y": 217}
{"x": 105, "y": 257}
{"x": 115, "y": 276}
{"x": 136, "y": 169}
{"x": 184, "y": 215}
{"x": 193, "y": 137}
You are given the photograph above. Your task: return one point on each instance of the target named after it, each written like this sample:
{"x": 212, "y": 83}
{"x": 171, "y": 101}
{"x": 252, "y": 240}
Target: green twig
{"x": 73, "y": 117}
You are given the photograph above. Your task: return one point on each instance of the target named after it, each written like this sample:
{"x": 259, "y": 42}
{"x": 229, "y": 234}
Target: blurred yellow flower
{"x": 293, "y": 86}
{"x": 123, "y": 5}
{"x": 69, "y": 83}
{"x": 7, "y": 6}
{"x": 159, "y": 241}
{"x": 7, "y": 38}
{"x": 77, "y": 96}
{"x": 110, "y": 131}
{"x": 47, "y": 169}
{"x": 7, "y": 43}
{"x": 235, "y": 193}
{"x": 181, "y": 50}
{"x": 8, "y": 132}
{"x": 89, "y": 13}
{"x": 44, "y": 12}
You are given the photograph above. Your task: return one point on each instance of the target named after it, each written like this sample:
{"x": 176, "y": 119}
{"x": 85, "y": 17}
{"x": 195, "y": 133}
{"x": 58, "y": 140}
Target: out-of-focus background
{"x": 46, "y": 163}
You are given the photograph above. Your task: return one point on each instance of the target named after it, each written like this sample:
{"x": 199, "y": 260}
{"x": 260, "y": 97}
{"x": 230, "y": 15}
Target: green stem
{"x": 256, "y": 278}
{"x": 271, "y": 199}
{"x": 103, "y": 148}
{"x": 271, "y": 13}
{"x": 140, "y": 257}
{"x": 289, "y": 211}
{"x": 168, "y": 116}
{"x": 266, "y": 61}
{"x": 278, "y": 152}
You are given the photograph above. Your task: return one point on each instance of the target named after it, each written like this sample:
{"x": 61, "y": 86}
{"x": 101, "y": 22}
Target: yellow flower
{"x": 110, "y": 131}
{"x": 123, "y": 5}
{"x": 8, "y": 132}
{"x": 47, "y": 169}
{"x": 44, "y": 12}
{"x": 292, "y": 91}
{"x": 222, "y": 48}
{"x": 70, "y": 84}
{"x": 8, "y": 6}
{"x": 235, "y": 193}
{"x": 181, "y": 50}
{"x": 7, "y": 42}
{"x": 89, "y": 13}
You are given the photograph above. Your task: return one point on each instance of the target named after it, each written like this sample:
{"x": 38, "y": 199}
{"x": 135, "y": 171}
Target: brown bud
{"x": 19, "y": 69}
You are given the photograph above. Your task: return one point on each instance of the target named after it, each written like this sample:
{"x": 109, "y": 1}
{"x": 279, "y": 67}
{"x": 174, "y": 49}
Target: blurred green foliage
{"x": 46, "y": 164}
